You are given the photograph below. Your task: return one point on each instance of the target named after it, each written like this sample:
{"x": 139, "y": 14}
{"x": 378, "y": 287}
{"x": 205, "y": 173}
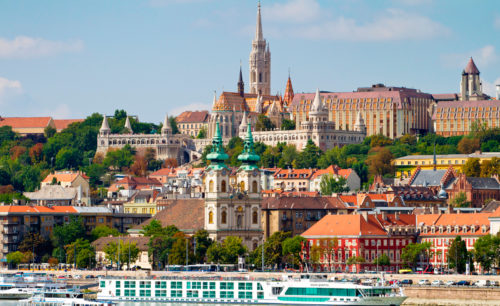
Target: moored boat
{"x": 289, "y": 290}
{"x": 65, "y": 297}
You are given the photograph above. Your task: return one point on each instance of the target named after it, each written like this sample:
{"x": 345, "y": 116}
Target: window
{"x": 242, "y": 185}
{"x": 211, "y": 186}
{"x": 254, "y": 187}
{"x": 223, "y": 186}
{"x": 224, "y": 217}
{"x": 255, "y": 217}
{"x": 210, "y": 217}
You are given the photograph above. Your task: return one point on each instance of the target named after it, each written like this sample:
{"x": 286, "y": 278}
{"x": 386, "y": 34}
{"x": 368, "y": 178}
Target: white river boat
{"x": 303, "y": 290}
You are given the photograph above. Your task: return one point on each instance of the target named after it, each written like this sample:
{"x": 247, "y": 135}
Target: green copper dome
{"x": 248, "y": 156}
{"x": 217, "y": 156}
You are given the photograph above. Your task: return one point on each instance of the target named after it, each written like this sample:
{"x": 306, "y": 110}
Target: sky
{"x": 69, "y": 59}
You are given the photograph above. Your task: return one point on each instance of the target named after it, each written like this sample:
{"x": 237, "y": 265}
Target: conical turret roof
{"x": 471, "y": 67}
{"x": 128, "y": 126}
{"x": 258, "y": 31}
{"x": 243, "y": 121}
{"x": 248, "y": 156}
{"x": 104, "y": 125}
{"x": 317, "y": 106}
{"x": 217, "y": 156}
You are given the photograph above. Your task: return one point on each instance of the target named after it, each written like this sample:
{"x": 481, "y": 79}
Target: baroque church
{"x": 233, "y": 210}
{"x": 234, "y": 110}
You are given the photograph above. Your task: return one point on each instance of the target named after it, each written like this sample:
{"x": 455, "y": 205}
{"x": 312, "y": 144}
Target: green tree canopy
{"x": 63, "y": 235}
{"x": 487, "y": 251}
{"x": 472, "y": 167}
{"x": 15, "y": 258}
{"x": 458, "y": 255}
{"x": 287, "y": 125}
{"x": 412, "y": 252}
{"x": 292, "y": 248}
{"x": 104, "y": 231}
{"x": 122, "y": 252}
{"x": 330, "y": 184}
{"x": 264, "y": 123}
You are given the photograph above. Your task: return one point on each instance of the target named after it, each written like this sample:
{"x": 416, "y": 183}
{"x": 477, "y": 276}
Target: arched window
{"x": 211, "y": 186}
{"x": 239, "y": 221}
{"x": 254, "y": 245}
{"x": 242, "y": 185}
{"x": 254, "y": 187}
{"x": 211, "y": 217}
{"x": 224, "y": 217}
{"x": 223, "y": 186}
{"x": 255, "y": 217}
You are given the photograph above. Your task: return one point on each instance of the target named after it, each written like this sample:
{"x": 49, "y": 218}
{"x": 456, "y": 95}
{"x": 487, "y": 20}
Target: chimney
{"x": 396, "y": 215}
{"x": 435, "y": 209}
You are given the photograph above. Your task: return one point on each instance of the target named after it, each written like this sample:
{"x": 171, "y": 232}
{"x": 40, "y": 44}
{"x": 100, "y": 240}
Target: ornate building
{"x": 260, "y": 62}
{"x": 166, "y": 144}
{"x": 470, "y": 85}
{"x": 390, "y": 111}
{"x": 233, "y": 211}
{"x": 317, "y": 128}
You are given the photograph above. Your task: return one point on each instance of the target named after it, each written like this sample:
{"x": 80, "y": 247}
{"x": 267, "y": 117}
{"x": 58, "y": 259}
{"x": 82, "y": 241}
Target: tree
{"x": 460, "y": 200}
{"x": 408, "y": 139}
{"x": 487, "y": 251}
{"x": 315, "y": 253}
{"x": 458, "y": 255}
{"x": 178, "y": 250}
{"x": 214, "y": 253}
{"x": 308, "y": 158}
{"x": 68, "y": 158}
{"x": 333, "y": 184}
{"x": 139, "y": 167}
{"x": 104, "y": 231}
{"x": 472, "y": 167}
{"x": 380, "y": 162}
{"x": 15, "y": 258}
{"x": 35, "y": 242}
{"x": 264, "y": 123}
{"x": 49, "y": 131}
{"x": 119, "y": 159}
{"x": 17, "y": 151}
{"x": 378, "y": 140}
{"x": 173, "y": 125}
{"x": 63, "y": 235}
{"x": 36, "y": 153}
{"x": 202, "y": 134}
{"x": 122, "y": 252}
{"x": 490, "y": 167}
{"x": 170, "y": 163}
{"x": 53, "y": 262}
{"x": 382, "y": 260}
{"x": 354, "y": 260}
{"x": 85, "y": 254}
{"x": 292, "y": 248}
{"x": 412, "y": 252}
{"x": 468, "y": 145}
{"x": 273, "y": 250}
{"x": 95, "y": 171}
{"x": 202, "y": 243}
{"x": 154, "y": 228}
{"x": 233, "y": 248}
{"x": 287, "y": 125}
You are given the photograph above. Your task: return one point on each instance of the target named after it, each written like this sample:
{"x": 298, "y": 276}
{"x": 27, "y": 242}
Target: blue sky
{"x": 69, "y": 59}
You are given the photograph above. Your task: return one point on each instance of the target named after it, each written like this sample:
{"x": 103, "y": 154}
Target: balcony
{"x": 9, "y": 231}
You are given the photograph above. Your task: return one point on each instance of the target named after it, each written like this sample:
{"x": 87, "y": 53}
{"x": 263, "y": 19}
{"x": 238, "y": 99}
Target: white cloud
{"x": 306, "y": 19}
{"x": 190, "y": 107}
{"x": 490, "y": 88}
{"x": 8, "y": 89}
{"x": 29, "y": 47}
{"x": 482, "y": 57}
{"x": 293, "y": 11}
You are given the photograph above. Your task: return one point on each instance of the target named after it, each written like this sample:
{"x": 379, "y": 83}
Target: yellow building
{"x": 426, "y": 162}
{"x": 143, "y": 202}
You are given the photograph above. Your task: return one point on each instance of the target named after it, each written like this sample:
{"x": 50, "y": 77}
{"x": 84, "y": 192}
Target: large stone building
{"x": 471, "y": 88}
{"x": 317, "y": 128}
{"x": 192, "y": 122}
{"x": 166, "y": 144}
{"x": 390, "y": 111}
{"x": 233, "y": 211}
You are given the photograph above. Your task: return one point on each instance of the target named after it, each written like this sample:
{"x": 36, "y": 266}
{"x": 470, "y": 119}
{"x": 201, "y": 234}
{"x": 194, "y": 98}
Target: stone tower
{"x": 260, "y": 62}
{"x": 470, "y": 86}
{"x": 360, "y": 126}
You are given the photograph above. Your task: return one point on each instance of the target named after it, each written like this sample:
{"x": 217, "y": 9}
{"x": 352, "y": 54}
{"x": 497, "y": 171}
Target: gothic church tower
{"x": 260, "y": 62}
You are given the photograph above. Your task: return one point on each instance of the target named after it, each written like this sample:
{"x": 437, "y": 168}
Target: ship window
{"x": 277, "y": 290}
{"x": 260, "y": 295}
{"x": 117, "y": 284}
{"x": 212, "y": 285}
{"x": 192, "y": 293}
{"x": 259, "y": 286}
{"x": 103, "y": 284}
{"x": 227, "y": 294}
{"x": 209, "y": 294}
{"x": 145, "y": 293}
{"x": 162, "y": 293}
{"x": 145, "y": 284}
{"x": 117, "y": 293}
{"x": 176, "y": 293}
{"x": 322, "y": 291}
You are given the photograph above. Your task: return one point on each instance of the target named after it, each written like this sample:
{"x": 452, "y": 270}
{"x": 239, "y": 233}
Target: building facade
{"x": 390, "y": 111}
{"x": 192, "y": 122}
{"x": 165, "y": 144}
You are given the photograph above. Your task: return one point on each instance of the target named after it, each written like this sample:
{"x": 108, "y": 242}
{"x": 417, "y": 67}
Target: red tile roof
{"x": 294, "y": 173}
{"x": 472, "y": 219}
{"x": 345, "y": 225}
{"x": 25, "y": 122}
{"x": 190, "y": 116}
{"x": 61, "y": 124}
{"x": 284, "y": 202}
{"x": 64, "y": 176}
{"x": 349, "y": 199}
{"x": 471, "y": 67}
{"x": 37, "y": 209}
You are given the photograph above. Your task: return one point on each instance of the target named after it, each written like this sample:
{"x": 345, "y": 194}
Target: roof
{"x": 452, "y": 106}
{"x": 61, "y": 124}
{"x": 332, "y": 170}
{"x": 37, "y": 209}
{"x": 290, "y": 203}
{"x": 345, "y": 225}
{"x": 471, "y": 67}
{"x": 93, "y": 210}
{"x": 472, "y": 219}
{"x": 352, "y": 200}
{"x": 294, "y": 173}
{"x": 233, "y": 100}
{"x": 496, "y": 213}
{"x": 192, "y": 116}
{"x": 163, "y": 172}
{"x": 185, "y": 214}
{"x": 446, "y": 96}
{"x": 64, "y": 176}
{"x": 53, "y": 192}
{"x": 135, "y": 183}
{"x": 491, "y": 207}
{"x": 428, "y": 178}
{"x": 140, "y": 242}
{"x": 483, "y": 182}
{"x": 25, "y": 122}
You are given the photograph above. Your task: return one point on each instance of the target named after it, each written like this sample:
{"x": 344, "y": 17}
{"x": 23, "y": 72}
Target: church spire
{"x": 248, "y": 156}
{"x": 165, "y": 129}
{"x": 258, "y": 31}
{"x": 241, "y": 85}
{"x": 288, "y": 98}
{"x": 217, "y": 156}
{"x": 128, "y": 125}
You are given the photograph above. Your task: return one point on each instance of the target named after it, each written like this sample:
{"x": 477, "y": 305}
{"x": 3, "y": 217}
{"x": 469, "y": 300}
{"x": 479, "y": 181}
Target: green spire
{"x": 217, "y": 156}
{"x": 248, "y": 156}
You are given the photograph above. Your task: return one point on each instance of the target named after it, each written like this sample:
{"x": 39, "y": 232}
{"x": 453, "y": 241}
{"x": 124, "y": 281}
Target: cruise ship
{"x": 290, "y": 290}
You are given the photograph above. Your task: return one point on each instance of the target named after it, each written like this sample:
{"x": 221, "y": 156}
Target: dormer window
{"x": 456, "y": 229}
{"x": 473, "y": 229}
{"x": 433, "y": 230}
{"x": 440, "y": 229}
{"x": 464, "y": 229}
{"x": 448, "y": 229}
{"x": 483, "y": 229}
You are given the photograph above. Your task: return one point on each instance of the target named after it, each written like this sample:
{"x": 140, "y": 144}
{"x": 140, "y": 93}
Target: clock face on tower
{"x": 254, "y": 173}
